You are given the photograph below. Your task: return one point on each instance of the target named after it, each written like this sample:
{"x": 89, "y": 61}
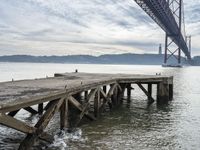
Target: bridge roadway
{"x": 89, "y": 94}
{"x": 161, "y": 13}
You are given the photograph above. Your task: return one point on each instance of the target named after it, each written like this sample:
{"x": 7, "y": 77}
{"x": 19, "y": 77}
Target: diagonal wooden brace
{"x": 41, "y": 124}
{"x": 78, "y": 105}
{"x": 146, "y": 92}
{"x": 16, "y": 124}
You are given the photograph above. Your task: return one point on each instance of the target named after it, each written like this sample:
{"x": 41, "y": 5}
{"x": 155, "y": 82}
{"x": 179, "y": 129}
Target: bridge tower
{"x": 171, "y": 48}
{"x": 188, "y": 41}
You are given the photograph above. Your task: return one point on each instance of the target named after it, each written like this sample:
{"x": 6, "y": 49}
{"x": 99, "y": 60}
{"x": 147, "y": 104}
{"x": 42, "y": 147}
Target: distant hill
{"x": 128, "y": 58}
{"x": 196, "y": 61}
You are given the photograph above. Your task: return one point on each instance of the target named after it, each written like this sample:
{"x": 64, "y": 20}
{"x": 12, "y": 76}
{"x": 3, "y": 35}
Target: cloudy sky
{"x": 62, "y": 27}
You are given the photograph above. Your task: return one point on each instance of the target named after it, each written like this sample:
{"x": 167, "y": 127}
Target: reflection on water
{"x": 130, "y": 126}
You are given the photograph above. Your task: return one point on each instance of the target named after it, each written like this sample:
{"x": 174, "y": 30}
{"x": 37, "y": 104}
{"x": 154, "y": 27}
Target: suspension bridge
{"x": 169, "y": 15}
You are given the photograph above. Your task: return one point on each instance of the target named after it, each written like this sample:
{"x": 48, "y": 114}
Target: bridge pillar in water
{"x": 173, "y": 49}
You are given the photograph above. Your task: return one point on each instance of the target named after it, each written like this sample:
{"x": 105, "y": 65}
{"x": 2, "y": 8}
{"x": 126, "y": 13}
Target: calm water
{"x": 132, "y": 126}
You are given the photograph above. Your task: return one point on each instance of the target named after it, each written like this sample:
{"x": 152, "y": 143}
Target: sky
{"x": 94, "y": 27}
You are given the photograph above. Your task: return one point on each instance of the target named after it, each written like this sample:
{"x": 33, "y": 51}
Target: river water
{"x": 132, "y": 125}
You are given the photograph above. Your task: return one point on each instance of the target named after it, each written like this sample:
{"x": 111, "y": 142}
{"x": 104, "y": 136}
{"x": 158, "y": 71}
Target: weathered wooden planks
{"x": 65, "y": 91}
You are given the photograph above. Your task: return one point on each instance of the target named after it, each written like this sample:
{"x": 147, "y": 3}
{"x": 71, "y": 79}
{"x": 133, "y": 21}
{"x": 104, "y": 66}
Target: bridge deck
{"x": 24, "y": 93}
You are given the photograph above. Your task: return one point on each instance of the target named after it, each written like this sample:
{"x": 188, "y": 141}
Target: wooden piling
{"x": 64, "y": 115}
{"x": 40, "y": 108}
{"x": 149, "y": 91}
{"x": 151, "y": 99}
{"x": 97, "y": 104}
{"x": 163, "y": 92}
{"x": 128, "y": 92}
{"x": 105, "y": 89}
{"x": 114, "y": 97}
{"x": 171, "y": 88}
{"x": 171, "y": 92}
{"x": 86, "y": 95}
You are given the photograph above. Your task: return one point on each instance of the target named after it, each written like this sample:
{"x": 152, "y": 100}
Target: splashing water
{"x": 62, "y": 137}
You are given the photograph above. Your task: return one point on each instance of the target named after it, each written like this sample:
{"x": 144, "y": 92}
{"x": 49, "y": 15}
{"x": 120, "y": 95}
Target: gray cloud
{"x": 71, "y": 27}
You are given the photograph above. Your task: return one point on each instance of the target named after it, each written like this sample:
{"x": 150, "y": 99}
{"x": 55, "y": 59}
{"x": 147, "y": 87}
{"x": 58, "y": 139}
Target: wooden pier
{"x": 89, "y": 94}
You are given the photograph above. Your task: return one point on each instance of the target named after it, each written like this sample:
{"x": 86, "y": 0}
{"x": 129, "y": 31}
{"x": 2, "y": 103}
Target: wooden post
{"x": 86, "y": 96}
{"x": 171, "y": 88}
{"x": 40, "y": 108}
{"x": 97, "y": 104}
{"x": 121, "y": 93}
{"x": 30, "y": 110}
{"x": 64, "y": 115}
{"x": 128, "y": 93}
{"x": 171, "y": 92}
{"x": 114, "y": 97}
{"x": 157, "y": 90}
{"x": 149, "y": 91}
{"x": 163, "y": 92}
{"x": 150, "y": 100}
{"x": 30, "y": 139}
{"x": 77, "y": 96}
{"x": 13, "y": 113}
{"x": 105, "y": 89}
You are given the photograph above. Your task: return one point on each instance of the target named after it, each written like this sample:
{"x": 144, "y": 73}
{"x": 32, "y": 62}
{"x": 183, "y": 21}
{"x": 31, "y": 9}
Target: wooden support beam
{"x": 41, "y": 124}
{"x": 86, "y": 106}
{"x": 92, "y": 95}
{"x": 73, "y": 101}
{"x": 119, "y": 87}
{"x": 151, "y": 100}
{"x": 163, "y": 92}
{"x": 64, "y": 115}
{"x": 111, "y": 93}
{"x": 48, "y": 104}
{"x": 149, "y": 91}
{"x": 23, "y": 127}
{"x": 128, "y": 92}
{"x": 171, "y": 91}
{"x": 77, "y": 96}
{"x": 13, "y": 113}
{"x": 31, "y": 110}
{"x": 40, "y": 108}
{"x": 107, "y": 100}
{"x": 97, "y": 103}
{"x": 16, "y": 124}
{"x": 117, "y": 95}
{"x": 114, "y": 96}
{"x": 86, "y": 95}
{"x": 111, "y": 90}
{"x": 105, "y": 89}
{"x": 121, "y": 94}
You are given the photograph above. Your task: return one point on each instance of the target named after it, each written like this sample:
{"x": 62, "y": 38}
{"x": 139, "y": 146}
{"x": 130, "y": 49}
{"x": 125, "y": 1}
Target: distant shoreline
{"x": 117, "y": 59}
